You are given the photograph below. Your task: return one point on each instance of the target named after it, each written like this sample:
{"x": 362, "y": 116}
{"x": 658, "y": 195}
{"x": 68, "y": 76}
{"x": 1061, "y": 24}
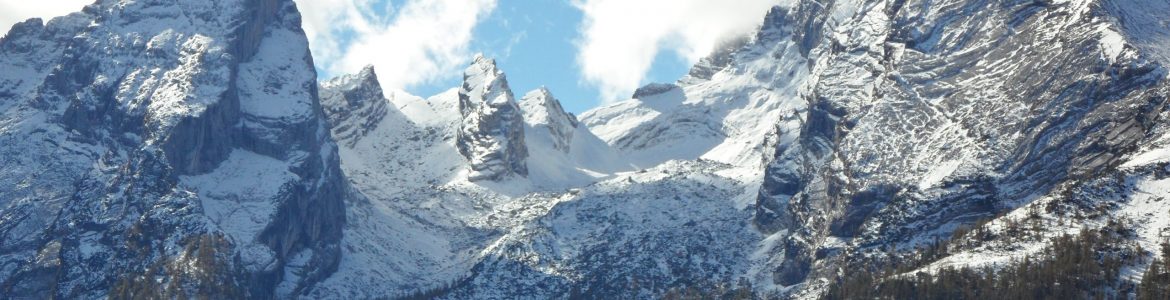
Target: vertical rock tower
{"x": 492, "y": 133}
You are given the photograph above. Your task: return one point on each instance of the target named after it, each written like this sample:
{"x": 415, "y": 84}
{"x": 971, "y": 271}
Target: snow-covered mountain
{"x": 158, "y": 149}
{"x": 443, "y": 179}
{"x": 354, "y": 105}
{"x": 162, "y": 149}
{"x": 491, "y": 135}
{"x": 927, "y": 117}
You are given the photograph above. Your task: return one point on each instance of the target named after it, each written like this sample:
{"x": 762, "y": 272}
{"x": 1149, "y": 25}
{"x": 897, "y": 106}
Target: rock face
{"x": 544, "y": 112}
{"x": 409, "y": 161}
{"x": 561, "y": 152}
{"x": 163, "y": 150}
{"x": 492, "y": 133}
{"x": 354, "y": 104}
{"x": 655, "y": 89}
{"x": 127, "y": 129}
{"x": 895, "y": 122}
{"x": 923, "y": 117}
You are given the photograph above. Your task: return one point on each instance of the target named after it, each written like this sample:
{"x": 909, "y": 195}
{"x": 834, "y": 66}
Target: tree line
{"x": 1087, "y": 265}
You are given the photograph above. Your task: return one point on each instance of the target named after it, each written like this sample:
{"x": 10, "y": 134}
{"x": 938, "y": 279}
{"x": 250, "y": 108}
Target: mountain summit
{"x": 492, "y": 134}
{"x": 846, "y": 149}
{"x": 164, "y": 149}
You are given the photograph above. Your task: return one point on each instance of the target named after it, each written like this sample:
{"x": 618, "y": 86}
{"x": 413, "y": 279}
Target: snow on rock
{"x": 1143, "y": 23}
{"x": 924, "y": 118}
{"x": 284, "y": 95}
{"x": 671, "y": 225}
{"x": 492, "y": 134}
{"x": 836, "y": 127}
{"x": 544, "y": 112}
{"x": 144, "y": 133}
{"x": 611, "y": 121}
{"x": 562, "y": 153}
{"x": 354, "y": 104}
{"x": 736, "y": 115}
{"x": 191, "y": 135}
{"x": 441, "y": 110}
{"x": 242, "y": 208}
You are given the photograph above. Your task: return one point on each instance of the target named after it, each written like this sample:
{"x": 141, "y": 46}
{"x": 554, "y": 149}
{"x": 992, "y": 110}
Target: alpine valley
{"x": 844, "y": 149}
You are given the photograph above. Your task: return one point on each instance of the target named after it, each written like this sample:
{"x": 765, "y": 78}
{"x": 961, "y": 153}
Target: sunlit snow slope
{"x": 166, "y": 149}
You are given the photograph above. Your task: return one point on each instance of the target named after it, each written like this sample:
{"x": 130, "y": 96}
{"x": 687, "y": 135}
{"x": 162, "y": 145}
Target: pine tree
{"x": 1083, "y": 266}
{"x": 1156, "y": 281}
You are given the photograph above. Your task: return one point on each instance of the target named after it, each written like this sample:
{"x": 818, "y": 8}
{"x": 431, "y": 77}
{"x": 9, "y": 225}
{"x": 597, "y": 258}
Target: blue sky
{"x": 534, "y": 42}
{"x": 588, "y": 52}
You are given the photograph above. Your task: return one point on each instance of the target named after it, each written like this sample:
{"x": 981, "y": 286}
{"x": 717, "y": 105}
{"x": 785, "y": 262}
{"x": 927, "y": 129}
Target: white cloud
{"x": 15, "y": 11}
{"x": 419, "y": 42}
{"x": 620, "y": 38}
{"x": 414, "y": 43}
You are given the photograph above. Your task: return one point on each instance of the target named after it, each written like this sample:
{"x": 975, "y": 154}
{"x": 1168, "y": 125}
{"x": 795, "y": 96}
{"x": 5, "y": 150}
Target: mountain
{"x": 156, "y": 149}
{"x": 563, "y": 152}
{"x": 426, "y": 222}
{"x": 544, "y": 111}
{"x": 846, "y": 148}
{"x": 907, "y": 125}
{"x": 926, "y": 118}
{"x": 353, "y": 105}
{"x": 492, "y": 133}
{"x": 444, "y": 178}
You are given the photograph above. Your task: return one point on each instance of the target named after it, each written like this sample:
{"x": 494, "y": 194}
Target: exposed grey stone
{"x": 492, "y": 133}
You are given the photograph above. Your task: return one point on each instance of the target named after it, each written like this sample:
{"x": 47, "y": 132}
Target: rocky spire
{"x": 354, "y": 104}
{"x": 491, "y": 135}
{"x": 543, "y": 111}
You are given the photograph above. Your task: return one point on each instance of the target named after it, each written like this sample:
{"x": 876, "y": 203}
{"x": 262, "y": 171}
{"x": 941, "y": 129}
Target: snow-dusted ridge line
{"x": 128, "y": 131}
{"x": 417, "y": 182}
{"x": 171, "y": 147}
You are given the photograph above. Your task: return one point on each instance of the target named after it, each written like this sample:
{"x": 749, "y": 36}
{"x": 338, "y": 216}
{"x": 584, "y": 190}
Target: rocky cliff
{"x": 354, "y": 105}
{"x": 127, "y": 130}
{"x": 492, "y": 134}
{"x": 924, "y": 117}
{"x": 181, "y": 149}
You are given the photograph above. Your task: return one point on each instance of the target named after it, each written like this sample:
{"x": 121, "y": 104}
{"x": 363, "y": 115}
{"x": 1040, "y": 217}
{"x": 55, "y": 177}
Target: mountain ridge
{"x": 164, "y": 150}
{"x": 125, "y": 131}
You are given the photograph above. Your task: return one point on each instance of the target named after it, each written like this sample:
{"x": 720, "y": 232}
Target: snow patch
{"x": 1112, "y": 44}
{"x": 242, "y": 208}
{"x": 938, "y": 173}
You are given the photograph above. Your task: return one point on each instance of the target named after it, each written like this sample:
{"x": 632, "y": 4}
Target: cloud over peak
{"x": 620, "y": 38}
{"x": 418, "y": 42}
{"x": 415, "y": 43}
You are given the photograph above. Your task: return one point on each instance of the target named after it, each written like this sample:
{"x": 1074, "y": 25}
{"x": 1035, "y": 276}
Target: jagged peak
{"x": 541, "y": 96}
{"x": 481, "y": 59}
{"x": 365, "y": 80}
{"x": 538, "y": 98}
{"x": 774, "y": 20}
{"x": 368, "y": 73}
{"x": 482, "y": 66}
{"x": 491, "y": 136}
{"x": 353, "y": 103}
{"x": 543, "y": 91}
{"x": 541, "y": 107}
{"x": 484, "y": 82}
